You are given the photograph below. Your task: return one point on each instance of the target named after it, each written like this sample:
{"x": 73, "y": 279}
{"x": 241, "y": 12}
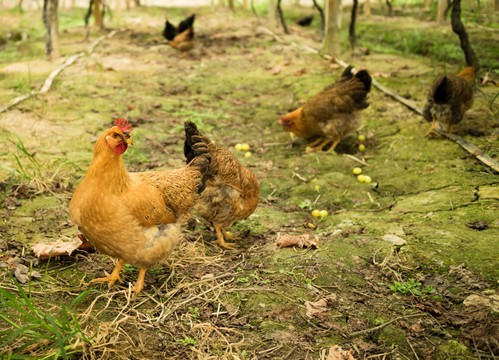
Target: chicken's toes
{"x": 227, "y": 245}
{"x": 432, "y": 133}
{"x": 229, "y": 236}
{"x": 139, "y": 285}
{"x": 109, "y": 279}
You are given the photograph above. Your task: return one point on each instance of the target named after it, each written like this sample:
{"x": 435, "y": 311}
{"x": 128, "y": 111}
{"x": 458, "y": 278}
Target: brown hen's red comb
{"x": 123, "y": 125}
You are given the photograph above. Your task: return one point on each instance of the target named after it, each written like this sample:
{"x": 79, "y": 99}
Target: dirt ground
{"x": 406, "y": 267}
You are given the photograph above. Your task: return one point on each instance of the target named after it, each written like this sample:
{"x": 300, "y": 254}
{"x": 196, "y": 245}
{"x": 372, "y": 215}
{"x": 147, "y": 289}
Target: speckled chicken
{"x": 181, "y": 37}
{"x": 333, "y": 113}
{"x": 232, "y": 190}
{"x": 449, "y": 97}
{"x": 135, "y": 217}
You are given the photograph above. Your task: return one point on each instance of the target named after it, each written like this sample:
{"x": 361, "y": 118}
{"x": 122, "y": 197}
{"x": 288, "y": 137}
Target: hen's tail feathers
{"x": 347, "y": 73}
{"x": 196, "y": 151}
{"x": 186, "y": 23}
{"x": 305, "y": 21}
{"x": 366, "y": 79}
{"x": 440, "y": 94}
{"x": 170, "y": 31}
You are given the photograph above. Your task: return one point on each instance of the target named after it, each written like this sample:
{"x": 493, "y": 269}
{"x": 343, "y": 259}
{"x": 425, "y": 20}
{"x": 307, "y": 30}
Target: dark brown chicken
{"x": 181, "y": 37}
{"x": 333, "y": 113}
{"x": 449, "y": 97}
{"x": 232, "y": 190}
{"x": 135, "y": 217}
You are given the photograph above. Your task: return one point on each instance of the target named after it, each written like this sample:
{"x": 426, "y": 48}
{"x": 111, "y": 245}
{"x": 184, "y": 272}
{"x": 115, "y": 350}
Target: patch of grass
{"x": 411, "y": 287}
{"x": 29, "y": 328}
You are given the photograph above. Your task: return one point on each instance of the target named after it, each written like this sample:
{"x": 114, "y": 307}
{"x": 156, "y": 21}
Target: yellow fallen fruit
{"x": 316, "y": 213}
{"x": 245, "y": 147}
{"x": 238, "y": 146}
{"x": 361, "y": 138}
{"x": 292, "y": 135}
{"x": 362, "y": 147}
{"x": 361, "y": 178}
{"x": 317, "y": 187}
{"x": 367, "y": 179}
{"x": 323, "y": 213}
{"x": 247, "y": 155}
{"x": 357, "y": 171}
{"x": 310, "y": 225}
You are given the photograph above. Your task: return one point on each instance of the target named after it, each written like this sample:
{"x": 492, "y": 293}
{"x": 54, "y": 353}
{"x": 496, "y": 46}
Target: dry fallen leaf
{"x": 337, "y": 353}
{"x": 52, "y": 249}
{"x": 318, "y": 307}
{"x": 334, "y": 66}
{"x": 276, "y": 70}
{"x": 300, "y": 241}
{"x": 300, "y": 72}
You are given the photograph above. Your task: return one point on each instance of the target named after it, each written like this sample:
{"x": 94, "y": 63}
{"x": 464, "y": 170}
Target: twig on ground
{"x": 379, "y": 327}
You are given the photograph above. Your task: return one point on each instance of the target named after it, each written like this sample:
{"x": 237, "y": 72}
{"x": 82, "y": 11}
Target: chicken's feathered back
{"x": 449, "y": 97}
{"x": 232, "y": 190}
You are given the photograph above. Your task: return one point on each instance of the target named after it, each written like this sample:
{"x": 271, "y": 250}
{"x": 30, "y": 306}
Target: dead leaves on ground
{"x": 301, "y": 241}
{"x": 52, "y": 249}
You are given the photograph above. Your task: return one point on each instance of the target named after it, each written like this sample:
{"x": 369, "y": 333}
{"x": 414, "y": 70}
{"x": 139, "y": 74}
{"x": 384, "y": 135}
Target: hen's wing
{"x": 345, "y": 96}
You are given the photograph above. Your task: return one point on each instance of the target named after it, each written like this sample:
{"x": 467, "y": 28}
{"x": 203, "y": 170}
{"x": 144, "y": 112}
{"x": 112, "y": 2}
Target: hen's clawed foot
{"x": 139, "y": 285}
{"x": 111, "y": 279}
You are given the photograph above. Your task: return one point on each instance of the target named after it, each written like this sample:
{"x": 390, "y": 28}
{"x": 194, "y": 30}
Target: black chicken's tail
{"x": 347, "y": 74}
{"x": 366, "y": 79}
{"x": 170, "y": 31}
{"x": 196, "y": 151}
{"x": 186, "y": 23}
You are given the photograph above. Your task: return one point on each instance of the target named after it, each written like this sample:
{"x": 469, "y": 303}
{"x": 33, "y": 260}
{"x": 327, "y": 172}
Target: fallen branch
{"x": 469, "y": 147}
{"x": 48, "y": 82}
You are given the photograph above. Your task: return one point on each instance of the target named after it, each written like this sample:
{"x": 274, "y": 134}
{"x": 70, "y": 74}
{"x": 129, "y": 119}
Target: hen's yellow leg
{"x": 336, "y": 142}
{"x": 139, "y": 285}
{"x": 316, "y": 142}
{"x": 229, "y": 236}
{"x": 221, "y": 240}
{"x": 318, "y": 147}
{"x": 115, "y": 276}
{"x": 432, "y": 130}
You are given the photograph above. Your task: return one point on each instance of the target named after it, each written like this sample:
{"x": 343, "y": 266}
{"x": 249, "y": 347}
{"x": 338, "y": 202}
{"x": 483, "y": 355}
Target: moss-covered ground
{"x": 254, "y": 302}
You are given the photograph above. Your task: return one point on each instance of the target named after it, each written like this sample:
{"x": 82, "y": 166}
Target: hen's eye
{"x": 116, "y": 136}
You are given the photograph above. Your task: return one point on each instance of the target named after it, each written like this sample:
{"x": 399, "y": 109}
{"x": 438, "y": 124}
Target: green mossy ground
{"x": 425, "y": 191}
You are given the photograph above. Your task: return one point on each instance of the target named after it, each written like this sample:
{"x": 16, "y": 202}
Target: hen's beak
{"x": 129, "y": 141}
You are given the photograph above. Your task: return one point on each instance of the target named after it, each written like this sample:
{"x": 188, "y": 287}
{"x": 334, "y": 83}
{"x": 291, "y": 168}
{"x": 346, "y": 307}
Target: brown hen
{"x": 181, "y": 37}
{"x": 232, "y": 190}
{"x": 333, "y": 113}
{"x": 135, "y": 217}
{"x": 449, "y": 97}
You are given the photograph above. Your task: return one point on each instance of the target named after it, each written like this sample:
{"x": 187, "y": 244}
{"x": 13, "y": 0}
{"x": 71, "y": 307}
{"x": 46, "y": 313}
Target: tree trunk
{"x": 137, "y": 3}
{"x": 496, "y": 5}
{"x": 231, "y": 5}
{"x": 351, "y": 30}
{"x": 427, "y": 4}
{"x": 390, "y": 8}
{"x": 272, "y": 14}
{"x": 458, "y": 28}
{"x": 87, "y": 17}
{"x": 323, "y": 22}
{"x": 447, "y": 8}
{"x": 333, "y": 24}
{"x": 367, "y": 8}
{"x": 50, "y": 19}
{"x": 440, "y": 11}
{"x": 97, "y": 14}
{"x": 281, "y": 17}
{"x": 245, "y": 5}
